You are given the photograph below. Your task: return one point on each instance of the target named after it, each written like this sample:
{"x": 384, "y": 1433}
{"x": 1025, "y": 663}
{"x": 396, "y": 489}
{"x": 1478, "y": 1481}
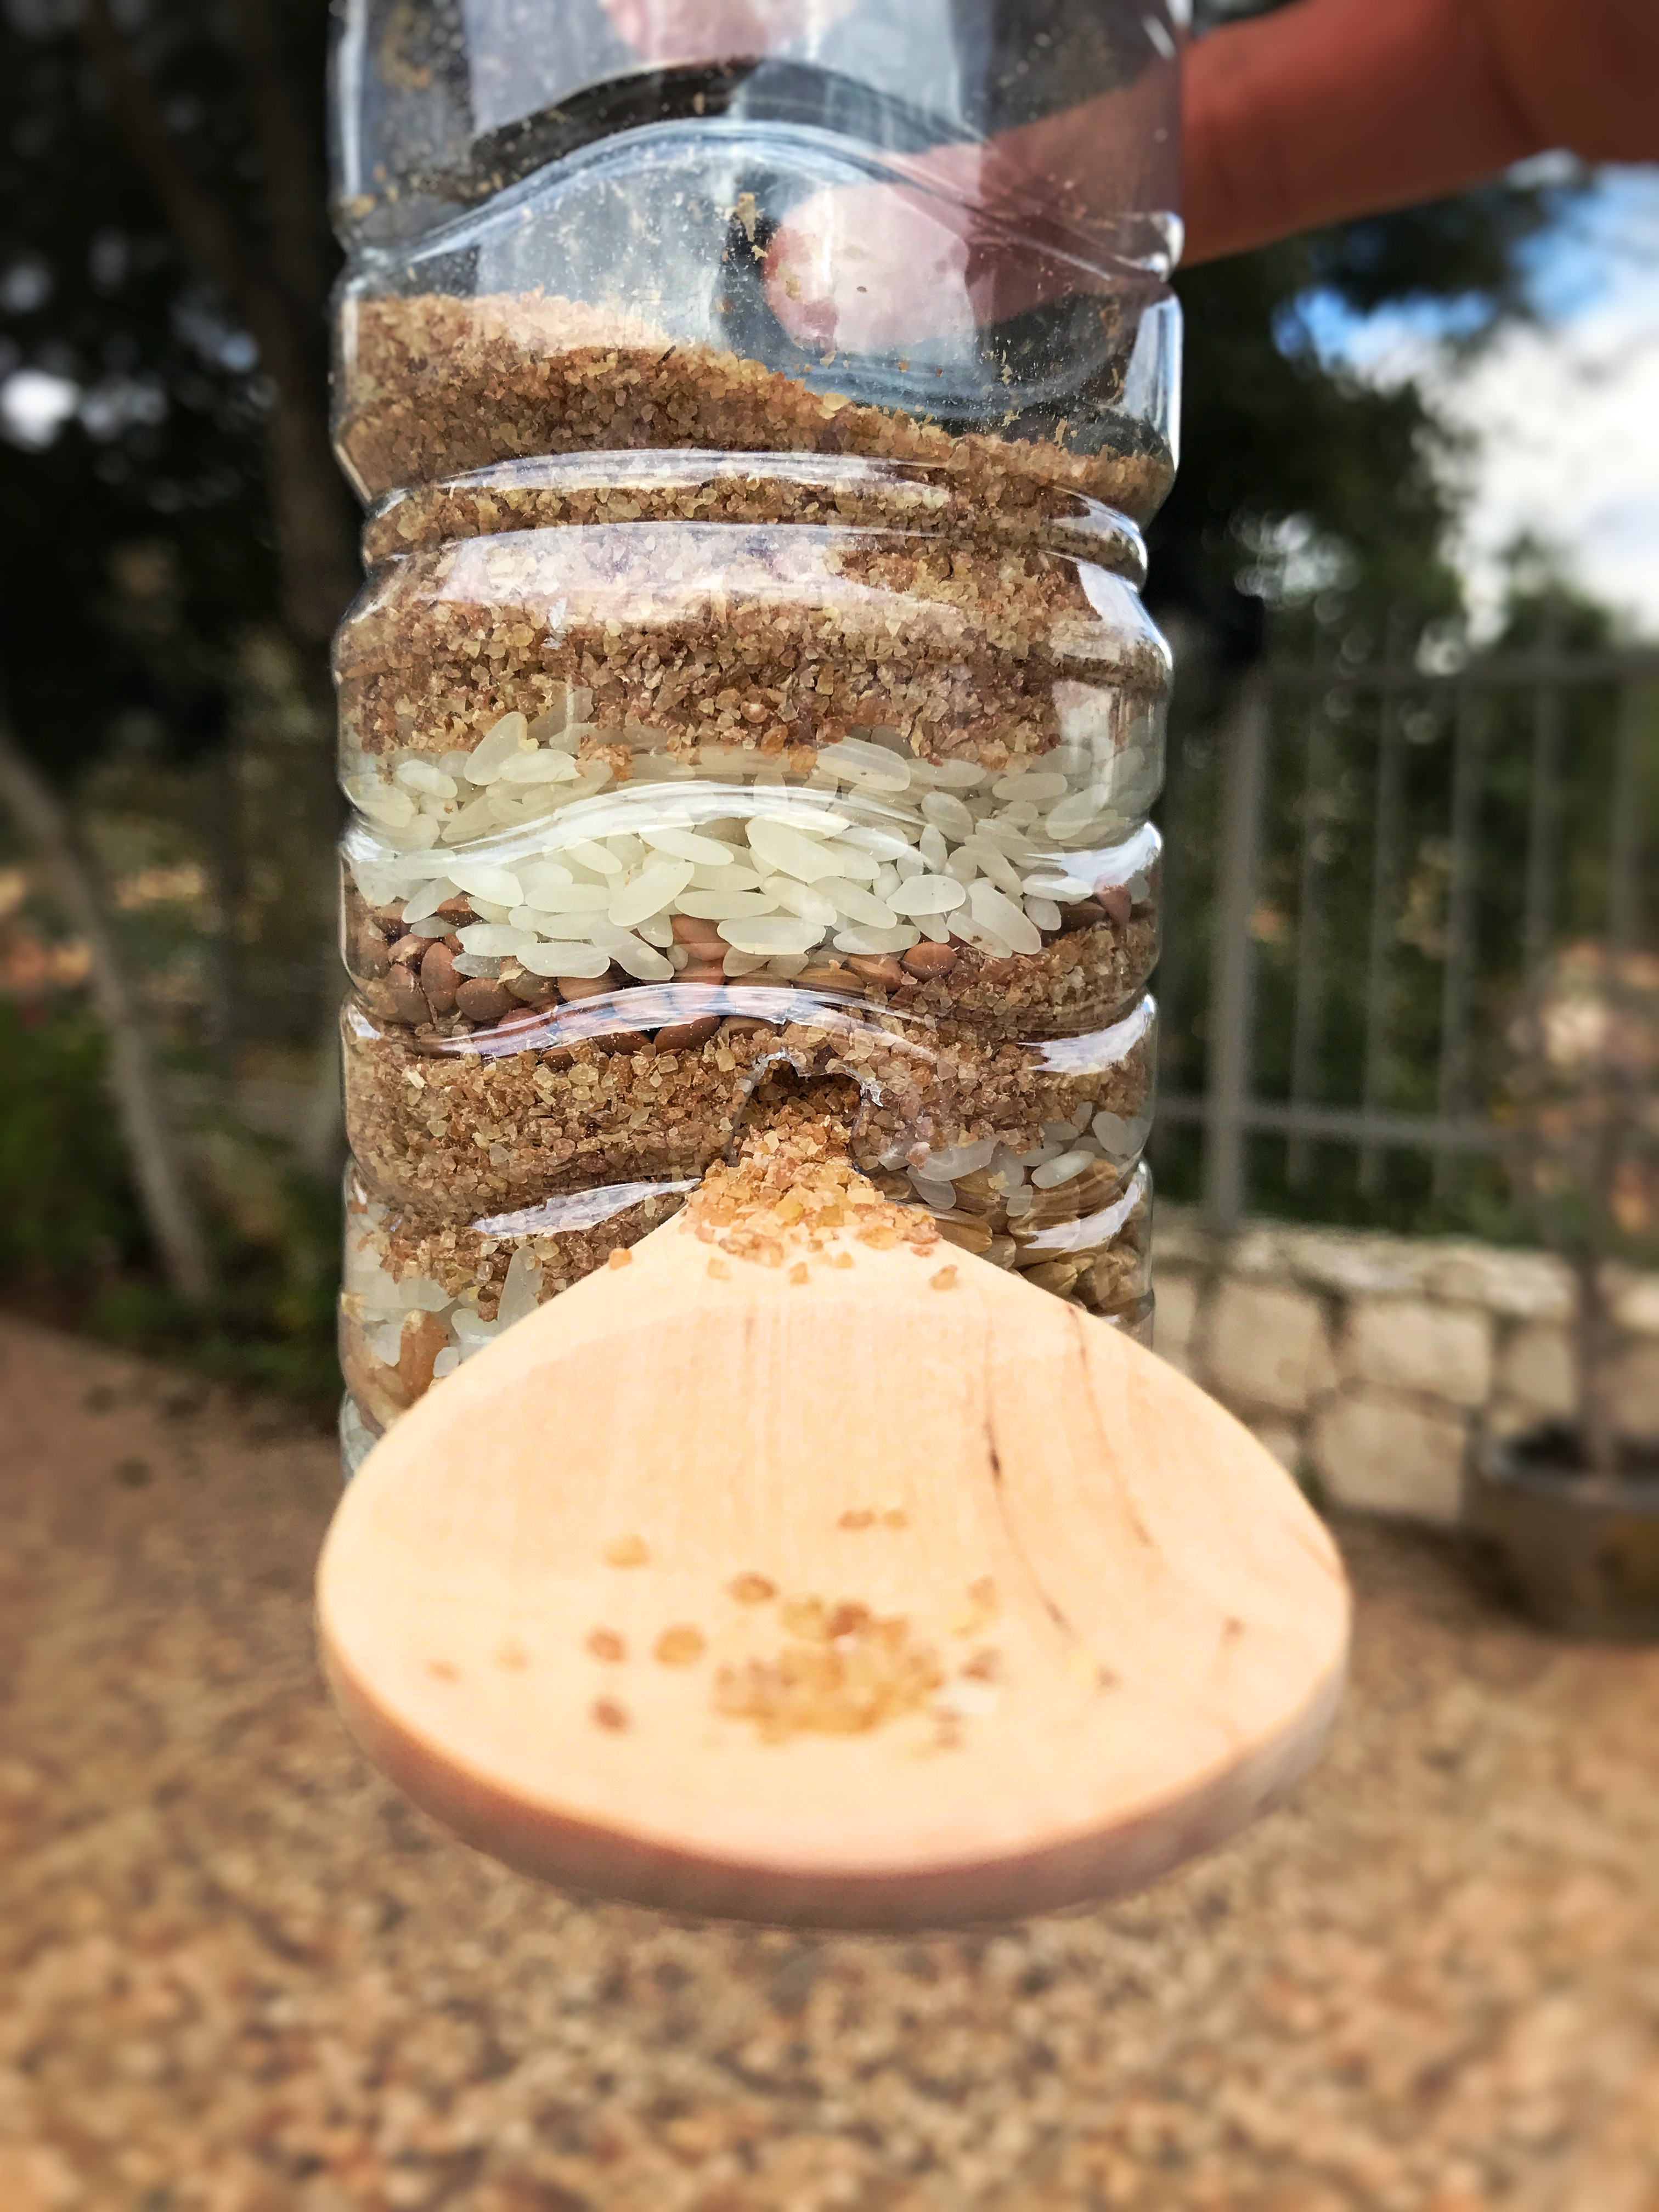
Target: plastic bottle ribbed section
{"x": 725, "y": 751}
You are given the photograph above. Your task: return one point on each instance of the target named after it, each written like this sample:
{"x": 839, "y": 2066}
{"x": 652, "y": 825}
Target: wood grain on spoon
{"x": 798, "y": 1567}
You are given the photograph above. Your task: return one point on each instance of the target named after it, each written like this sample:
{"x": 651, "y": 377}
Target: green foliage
{"x": 137, "y": 542}
{"x": 1272, "y": 431}
{"x": 271, "y": 1325}
{"x": 73, "y": 1247}
{"x": 67, "y": 1212}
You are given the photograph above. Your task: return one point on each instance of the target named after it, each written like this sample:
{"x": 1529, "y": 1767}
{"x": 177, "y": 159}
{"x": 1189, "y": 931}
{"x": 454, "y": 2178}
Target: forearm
{"x": 1335, "y": 108}
{"x": 1331, "y": 109}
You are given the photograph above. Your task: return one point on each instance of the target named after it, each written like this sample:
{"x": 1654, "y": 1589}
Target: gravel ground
{"x": 241, "y": 1976}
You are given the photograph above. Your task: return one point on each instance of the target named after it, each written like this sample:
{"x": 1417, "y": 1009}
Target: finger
{"x": 1331, "y": 109}
{"x": 1585, "y": 72}
{"x": 969, "y": 235}
{"x": 664, "y": 30}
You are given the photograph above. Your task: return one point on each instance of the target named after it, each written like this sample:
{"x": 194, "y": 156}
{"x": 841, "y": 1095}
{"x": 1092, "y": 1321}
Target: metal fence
{"x": 1368, "y": 859}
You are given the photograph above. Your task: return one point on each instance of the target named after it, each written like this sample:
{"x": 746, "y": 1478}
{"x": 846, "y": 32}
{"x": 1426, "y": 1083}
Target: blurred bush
{"x": 68, "y": 1223}
{"x": 74, "y": 1248}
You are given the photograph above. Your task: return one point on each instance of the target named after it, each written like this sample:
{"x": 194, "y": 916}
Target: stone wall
{"x": 1369, "y": 1363}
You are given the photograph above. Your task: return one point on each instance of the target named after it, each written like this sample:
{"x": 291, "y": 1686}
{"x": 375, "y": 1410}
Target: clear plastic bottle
{"x": 750, "y": 712}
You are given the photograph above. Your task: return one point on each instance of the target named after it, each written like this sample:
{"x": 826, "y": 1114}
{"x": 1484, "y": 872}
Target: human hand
{"x": 1319, "y": 113}
{"x": 1322, "y": 111}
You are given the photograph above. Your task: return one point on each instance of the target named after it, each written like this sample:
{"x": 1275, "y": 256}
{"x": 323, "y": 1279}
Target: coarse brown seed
{"x": 585, "y": 986}
{"x": 438, "y": 977}
{"x": 605, "y": 1644}
{"x": 369, "y": 955}
{"x": 1082, "y": 916}
{"x": 407, "y": 950}
{"x": 681, "y": 1645}
{"x": 929, "y": 961}
{"x": 623, "y": 1040}
{"x": 522, "y": 1018}
{"x": 975, "y": 1195}
{"x": 944, "y": 1281}
{"x": 751, "y": 1588}
{"x": 691, "y": 929}
{"x": 1115, "y": 902}
{"x": 686, "y": 1036}
{"x": 698, "y": 972}
{"x": 620, "y": 1257}
{"x": 969, "y": 1235}
{"x": 534, "y": 990}
{"x": 627, "y": 1552}
{"x": 828, "y": 978}
{"x": 608, "y": 1714}
{"x": 458, "y": 910}
{"x": 424, "y": 1337}
{"x": 406, "y": 999}
{"x": 876, "y": 968}
{"x": 481, "y": 999}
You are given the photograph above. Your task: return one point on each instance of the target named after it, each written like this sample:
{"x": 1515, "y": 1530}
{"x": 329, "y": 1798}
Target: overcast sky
{"x": 1564, "y": 416}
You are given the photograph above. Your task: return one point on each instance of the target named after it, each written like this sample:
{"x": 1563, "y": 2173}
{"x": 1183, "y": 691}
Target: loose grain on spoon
{"x": 948, "y": 1606}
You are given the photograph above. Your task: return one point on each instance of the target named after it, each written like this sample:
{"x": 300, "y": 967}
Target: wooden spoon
{"x": 809, "y": 1570}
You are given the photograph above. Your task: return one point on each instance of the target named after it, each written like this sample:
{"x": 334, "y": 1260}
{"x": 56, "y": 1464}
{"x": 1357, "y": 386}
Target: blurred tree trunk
{"x": 277, "y": 282}
{"x": 135, "y": 1078}
{"x": 276, "y": 279}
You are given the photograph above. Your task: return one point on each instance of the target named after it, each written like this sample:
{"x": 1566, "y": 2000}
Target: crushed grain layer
{"x": 453, "y": 1138}
{"x": 781, "y": 639}
{"x": 240, "y": 1975}
{"x": 793, "y": 1181}
{"x": 434, "y": 384}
